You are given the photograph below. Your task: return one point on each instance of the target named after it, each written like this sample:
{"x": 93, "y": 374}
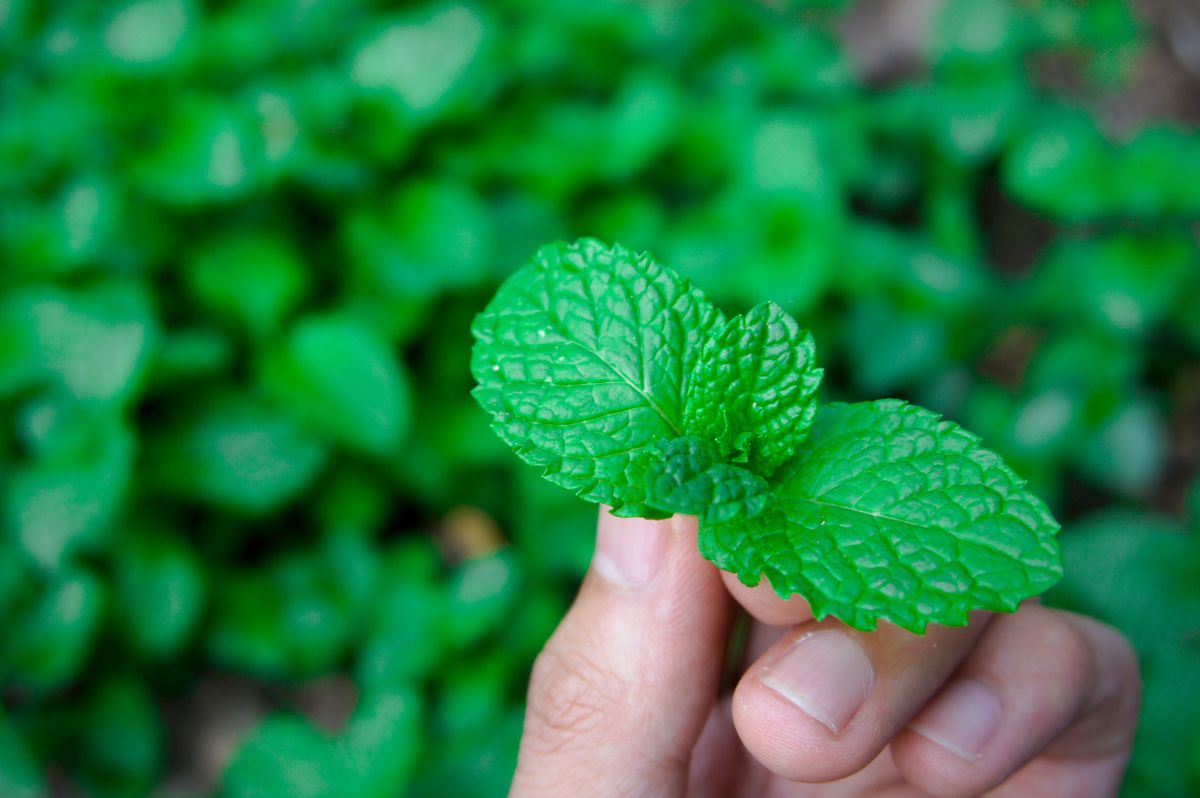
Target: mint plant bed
{"x": 241, "y": 244}
{"x": 627, "y": 386}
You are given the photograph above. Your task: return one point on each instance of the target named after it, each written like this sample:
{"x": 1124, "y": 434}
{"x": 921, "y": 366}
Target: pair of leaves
{"x": 591, "y": 357}
{"x": 628, "y": 387}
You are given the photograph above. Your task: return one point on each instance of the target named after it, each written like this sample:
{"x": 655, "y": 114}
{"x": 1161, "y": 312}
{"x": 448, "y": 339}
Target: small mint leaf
{"x": 889, "y": 513}
{"x": 685, "y": 477}
{"x": 583, "y": 360}
{"x": 755, "y": 387}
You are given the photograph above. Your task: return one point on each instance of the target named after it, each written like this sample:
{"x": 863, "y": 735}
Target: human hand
{"x": 624, "y": 699}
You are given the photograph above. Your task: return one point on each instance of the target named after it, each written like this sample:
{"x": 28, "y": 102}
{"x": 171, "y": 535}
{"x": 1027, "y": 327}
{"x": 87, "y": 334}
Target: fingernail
{"x": 630, "y": 551}
{"x": 826, "y": 674}
{"x": 961, "y": 719}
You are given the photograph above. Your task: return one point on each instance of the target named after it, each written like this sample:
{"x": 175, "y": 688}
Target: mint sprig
{"x": 628, "y": 387}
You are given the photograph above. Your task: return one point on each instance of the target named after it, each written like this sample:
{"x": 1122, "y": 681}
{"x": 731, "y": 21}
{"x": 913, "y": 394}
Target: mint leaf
{"x": 627, "y": 387}
{"x": 755, "y": 387}
{"x": 686, "y": 477}
{"x": 335, "y": 375}
{"x": 583, "y": 359}
{"x": 890, "y": 513}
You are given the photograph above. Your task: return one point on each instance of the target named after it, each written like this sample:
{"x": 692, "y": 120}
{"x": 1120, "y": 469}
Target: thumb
{"x": 622, "y": 690}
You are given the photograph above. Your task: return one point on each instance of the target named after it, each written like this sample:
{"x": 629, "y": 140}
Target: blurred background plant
{"x": 257, "y": 538}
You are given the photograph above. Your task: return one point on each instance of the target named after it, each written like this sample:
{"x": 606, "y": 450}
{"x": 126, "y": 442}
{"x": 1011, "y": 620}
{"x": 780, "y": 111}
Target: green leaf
{"x": 297, "y": 616}
{"x": 19, "y": 357}
{"x": 406, "y": 639}
{"x": 285, "y": 755}
{"x": 889, "y": 347}
{"x": 335, "y": 375}
{"x": 474, "y": 766}
{"x": 315, "y": 622}
{"x": 471, "y": 699}
{"x": 15, "y": 578}
{"x": 160, "y": 592}
{"x": 423, "y": 61}
{"x": 47, "y": 645}
{"x": 481, "y": 596}
{"x": 1167, "y": 732}
{"x": 890, "y": 513}
{"x": 687, "y": 478}
{"x": 1061, "y": 166}
{"x": 233, "y": 453}
{"x": 583, "y": 359}
{"x": 148, "y": 32}
{"x": 645, "y": 115}
{"x": 20, "y": 774}
{"x": 246, "y": 633}
{"x": 67, "y": 500}
{"x": 428, "y": 237}
{"x": 251, "y": 279}
{"x": 790, "y": 154}
{"x": 95, "y": 343}
{"x": 986, "y": 30}
{"x": 754, "y": 389}
{"x": 123, "y": 744}
{"x": 53, "y": 239}
{"x": 1128, "y": 452}
{"x": 1125, "y": 283}
{"x": 382, "y": 743}
{"x": 209, "y": 150}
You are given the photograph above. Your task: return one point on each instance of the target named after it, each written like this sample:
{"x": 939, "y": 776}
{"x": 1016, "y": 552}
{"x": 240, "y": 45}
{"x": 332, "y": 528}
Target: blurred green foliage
{"x": 240, "y": 246}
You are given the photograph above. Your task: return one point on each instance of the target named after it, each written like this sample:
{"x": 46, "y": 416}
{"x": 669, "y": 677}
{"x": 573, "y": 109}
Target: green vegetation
{"x": 248, "y": 504}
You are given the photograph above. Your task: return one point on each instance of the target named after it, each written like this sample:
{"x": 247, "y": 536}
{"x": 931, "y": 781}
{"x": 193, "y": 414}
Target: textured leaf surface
{"x": 890, "y": 513}
{"x": 686, "y": 477}
{"x": 755, "y": 388}
{"x": 583, "y": 360}
{"x": 626, "y": 385}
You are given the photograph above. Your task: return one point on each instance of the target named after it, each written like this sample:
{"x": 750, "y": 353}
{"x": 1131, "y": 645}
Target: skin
{"x": 626, "y": 698}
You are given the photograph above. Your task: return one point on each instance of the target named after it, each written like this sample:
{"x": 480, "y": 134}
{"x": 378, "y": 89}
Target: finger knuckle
{"x": 570, "y": 696}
